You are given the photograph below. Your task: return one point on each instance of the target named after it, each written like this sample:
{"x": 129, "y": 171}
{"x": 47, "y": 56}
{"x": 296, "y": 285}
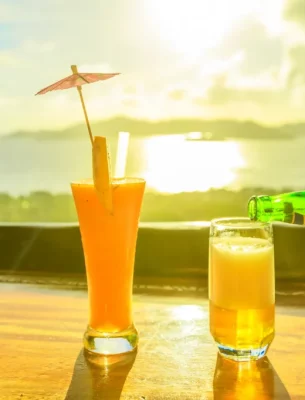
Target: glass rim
{"x": 124, "y": 179}
{"x": 238, "y": 223}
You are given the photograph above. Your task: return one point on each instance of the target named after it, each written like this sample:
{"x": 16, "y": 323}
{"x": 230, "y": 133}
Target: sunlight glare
{"x": 189, "y": 313}
{"x": 195, "y": 135}
{"x": 175, "y": 165}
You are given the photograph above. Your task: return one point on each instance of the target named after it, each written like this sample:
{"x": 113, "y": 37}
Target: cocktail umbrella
{"x": 101, "y": 168}
{"x": 76, "y": 80}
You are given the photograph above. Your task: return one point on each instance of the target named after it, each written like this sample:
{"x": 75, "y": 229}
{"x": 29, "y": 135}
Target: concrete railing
{"x": 163, "y": 249}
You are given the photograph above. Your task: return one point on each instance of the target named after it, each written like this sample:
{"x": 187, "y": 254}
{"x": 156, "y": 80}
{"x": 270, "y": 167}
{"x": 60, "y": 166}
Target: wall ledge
{"x": 173, "y": 249}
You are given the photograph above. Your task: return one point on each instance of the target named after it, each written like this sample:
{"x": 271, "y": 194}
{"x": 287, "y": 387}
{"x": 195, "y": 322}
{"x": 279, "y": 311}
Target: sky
{"x": 240, "y": 59}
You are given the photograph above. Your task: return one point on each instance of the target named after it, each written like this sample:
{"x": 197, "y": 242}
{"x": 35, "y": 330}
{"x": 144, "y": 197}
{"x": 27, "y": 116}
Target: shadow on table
{"x": 99, "y": 377}
{"x": 247, "y": 380}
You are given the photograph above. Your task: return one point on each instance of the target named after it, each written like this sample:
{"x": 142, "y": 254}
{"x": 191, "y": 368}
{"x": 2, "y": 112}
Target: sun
{"x": 191, "y": 27}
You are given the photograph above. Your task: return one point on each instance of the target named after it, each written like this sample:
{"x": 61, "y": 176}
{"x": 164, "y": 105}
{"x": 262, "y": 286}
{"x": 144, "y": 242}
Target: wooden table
{"x": 41, "y": 355}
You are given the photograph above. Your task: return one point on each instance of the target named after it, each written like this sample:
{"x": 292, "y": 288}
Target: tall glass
{"x": 241, "y": 287}
{"x": 109, "y": 243}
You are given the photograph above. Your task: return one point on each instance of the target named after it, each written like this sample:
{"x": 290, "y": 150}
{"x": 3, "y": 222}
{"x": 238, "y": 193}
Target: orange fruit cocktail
{"x": 109, "y": 242}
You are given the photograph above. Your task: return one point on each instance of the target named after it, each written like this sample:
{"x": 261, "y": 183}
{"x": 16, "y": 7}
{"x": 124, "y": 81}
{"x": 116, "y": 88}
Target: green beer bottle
{"x": 286, "y": 207}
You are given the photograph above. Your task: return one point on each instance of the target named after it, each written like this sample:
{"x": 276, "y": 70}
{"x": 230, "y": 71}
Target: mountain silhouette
{"x": 218, "y": 129}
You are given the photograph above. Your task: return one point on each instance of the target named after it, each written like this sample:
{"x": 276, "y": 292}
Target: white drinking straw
{"x": 121, "y": 154}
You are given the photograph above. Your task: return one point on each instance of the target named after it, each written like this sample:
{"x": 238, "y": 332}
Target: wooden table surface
{"x": 41, "y": 355}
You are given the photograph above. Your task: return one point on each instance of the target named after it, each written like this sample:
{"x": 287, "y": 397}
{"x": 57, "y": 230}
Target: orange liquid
{"x": 109, "y": 243}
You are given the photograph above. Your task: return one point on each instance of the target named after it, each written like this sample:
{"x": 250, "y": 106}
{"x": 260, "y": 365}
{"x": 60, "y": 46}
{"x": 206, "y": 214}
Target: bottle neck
{"x": 287, "y": 207}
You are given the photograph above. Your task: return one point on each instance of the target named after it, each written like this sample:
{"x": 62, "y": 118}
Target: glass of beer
{"x": 109, "y": 245}
{"x": 241, "y": 287}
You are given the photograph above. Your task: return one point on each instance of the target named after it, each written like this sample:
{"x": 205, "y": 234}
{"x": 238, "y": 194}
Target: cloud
{"x": 259, "y": 48}
{"x": 295, "y": 11}
{"x": 6, "y": 12}
{"x": 102, "y": 67}
{"x": 177, "y": 94}
{"x": 243, "y": 70}
{"x": 297, "y": 72}
{"x": 131, "y": 89}
{"x": 8, "y": 58}
{"x": 221, "y": 93}
{"x": 132, "y": 103}
{"x": 38, "y": 47}
{"x": 7, "y": 101}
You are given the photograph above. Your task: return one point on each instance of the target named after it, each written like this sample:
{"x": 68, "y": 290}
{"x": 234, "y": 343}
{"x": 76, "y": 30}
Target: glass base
{"x": 242, "y": 354}
{"x": 103, "y": 343}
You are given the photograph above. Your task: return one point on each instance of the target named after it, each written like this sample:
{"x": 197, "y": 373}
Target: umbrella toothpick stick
{"x": 79, "y": 89}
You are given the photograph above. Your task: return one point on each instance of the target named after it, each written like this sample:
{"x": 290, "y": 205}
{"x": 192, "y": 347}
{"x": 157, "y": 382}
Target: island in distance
{"x": 197, "y": 129}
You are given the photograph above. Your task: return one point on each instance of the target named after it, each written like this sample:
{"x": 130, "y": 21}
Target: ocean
{"x": 170, "y": 163}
